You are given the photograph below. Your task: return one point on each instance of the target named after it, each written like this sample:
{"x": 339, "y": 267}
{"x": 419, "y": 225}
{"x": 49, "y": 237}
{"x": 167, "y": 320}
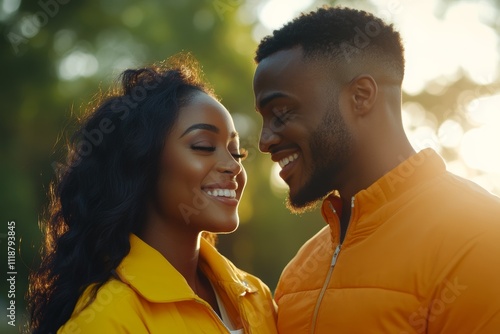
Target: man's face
{"x": 303, "y": 128}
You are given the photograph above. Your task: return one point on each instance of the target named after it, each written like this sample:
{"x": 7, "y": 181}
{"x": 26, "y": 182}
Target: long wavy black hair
{"x": 101, "y": 194}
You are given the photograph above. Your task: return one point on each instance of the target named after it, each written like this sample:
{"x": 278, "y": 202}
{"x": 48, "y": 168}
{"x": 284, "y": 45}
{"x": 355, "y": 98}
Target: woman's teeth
{"x": 222, "y": 193}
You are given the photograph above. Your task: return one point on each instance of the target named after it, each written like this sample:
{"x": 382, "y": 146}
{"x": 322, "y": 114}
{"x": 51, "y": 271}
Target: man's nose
{"x": 268, "y": 138}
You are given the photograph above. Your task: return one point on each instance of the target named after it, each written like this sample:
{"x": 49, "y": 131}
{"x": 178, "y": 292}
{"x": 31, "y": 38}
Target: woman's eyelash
{"x": 204, "y": 148}
{"x": 241, "y": 155}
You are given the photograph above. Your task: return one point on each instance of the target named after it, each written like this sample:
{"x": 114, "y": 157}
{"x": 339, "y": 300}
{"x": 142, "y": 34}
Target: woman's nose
{"x": 230, "y": 165}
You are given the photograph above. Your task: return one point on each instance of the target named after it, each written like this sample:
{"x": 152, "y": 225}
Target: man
{"x": 409, "y": 247}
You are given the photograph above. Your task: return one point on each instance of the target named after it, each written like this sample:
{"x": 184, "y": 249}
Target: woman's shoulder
{"x": 115, "y": 308}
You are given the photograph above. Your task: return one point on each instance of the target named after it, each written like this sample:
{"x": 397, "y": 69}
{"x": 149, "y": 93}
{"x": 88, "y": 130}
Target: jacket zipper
{"x": 325, "y": 284}
{"x": 330, "y": 272}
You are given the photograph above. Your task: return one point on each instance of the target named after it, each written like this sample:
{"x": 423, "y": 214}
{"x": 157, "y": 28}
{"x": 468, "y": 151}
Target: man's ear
{"x": 363, "y": 93}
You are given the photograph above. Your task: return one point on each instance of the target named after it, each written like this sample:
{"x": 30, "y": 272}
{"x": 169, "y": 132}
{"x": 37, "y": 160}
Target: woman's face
{"x": 201, "y": 178}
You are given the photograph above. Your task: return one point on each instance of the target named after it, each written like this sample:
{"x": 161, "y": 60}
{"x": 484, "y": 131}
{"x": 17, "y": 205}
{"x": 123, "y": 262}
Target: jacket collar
{"x": 222, "y": 272}
{"x": 156, "y": 280}
{"x": 416, "y": 170}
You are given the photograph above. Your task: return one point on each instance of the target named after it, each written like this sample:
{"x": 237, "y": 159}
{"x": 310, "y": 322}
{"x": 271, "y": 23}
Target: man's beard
{"x": 330, "y": 147}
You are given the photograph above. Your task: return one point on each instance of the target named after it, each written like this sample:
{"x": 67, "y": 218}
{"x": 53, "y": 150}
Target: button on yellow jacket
{"x": 421, "y": 255}
{"x": 152, "y": 297}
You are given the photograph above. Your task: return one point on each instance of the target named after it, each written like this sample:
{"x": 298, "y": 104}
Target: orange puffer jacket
{"x": 421, "y": 255}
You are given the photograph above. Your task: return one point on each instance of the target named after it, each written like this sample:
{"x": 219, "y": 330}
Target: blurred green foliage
{"x": 42, "y": 92}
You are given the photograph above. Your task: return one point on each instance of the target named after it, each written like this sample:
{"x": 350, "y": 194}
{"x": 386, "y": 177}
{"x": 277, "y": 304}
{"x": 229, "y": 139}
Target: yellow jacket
{"x": 421, "y": 255}
{"x": 152, "y": 297}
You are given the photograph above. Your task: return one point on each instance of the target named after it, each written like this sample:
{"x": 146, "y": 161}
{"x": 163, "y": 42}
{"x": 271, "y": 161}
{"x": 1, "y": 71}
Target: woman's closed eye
{"x": 242, "y": 154}
{"x": 205, "y": 148}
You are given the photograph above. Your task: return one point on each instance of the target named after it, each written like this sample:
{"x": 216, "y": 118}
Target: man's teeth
{"x": 287, "y": 160}
{"x": 222, "y": 193}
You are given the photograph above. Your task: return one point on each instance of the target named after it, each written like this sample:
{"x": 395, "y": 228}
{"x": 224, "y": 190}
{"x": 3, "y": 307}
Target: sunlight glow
{"x": 9, "y": 6}
{"x": 479, "y": 147}
{"x": 438, "y": 47}
{"x": 277, "y": 184}
{"x": 450, "y": 134}
{"x": 78, "y": 64}
{"x": 484, "y": 110}
{"x": 275, "y": 13}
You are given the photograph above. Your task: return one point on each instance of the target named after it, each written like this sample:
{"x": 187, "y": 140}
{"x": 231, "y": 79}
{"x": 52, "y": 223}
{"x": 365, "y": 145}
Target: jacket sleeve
{"x": 467, "y": 297}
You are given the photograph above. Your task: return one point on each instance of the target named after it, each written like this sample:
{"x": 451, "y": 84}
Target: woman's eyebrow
{"x": 201, "y": 126}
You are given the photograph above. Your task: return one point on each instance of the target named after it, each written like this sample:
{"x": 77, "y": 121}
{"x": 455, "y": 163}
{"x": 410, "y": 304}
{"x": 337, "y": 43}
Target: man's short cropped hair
{"x": 342, "y": 35}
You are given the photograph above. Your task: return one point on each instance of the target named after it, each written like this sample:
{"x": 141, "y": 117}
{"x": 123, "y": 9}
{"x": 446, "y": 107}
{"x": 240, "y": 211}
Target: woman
{"x": 152, "y": 167}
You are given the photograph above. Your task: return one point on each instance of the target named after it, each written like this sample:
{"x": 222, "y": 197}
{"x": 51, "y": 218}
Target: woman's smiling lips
{"x": 222, "y": 193}
{"x": 225, "y": 193}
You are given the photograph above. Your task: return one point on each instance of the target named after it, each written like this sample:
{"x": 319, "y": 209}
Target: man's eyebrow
{"x": 266, "y": 100}
{"x": 201, "y": 126}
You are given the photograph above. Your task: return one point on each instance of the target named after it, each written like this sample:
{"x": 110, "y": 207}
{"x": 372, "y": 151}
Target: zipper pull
{"x": 332, "y": 208}
{"x": 335, "y": 256}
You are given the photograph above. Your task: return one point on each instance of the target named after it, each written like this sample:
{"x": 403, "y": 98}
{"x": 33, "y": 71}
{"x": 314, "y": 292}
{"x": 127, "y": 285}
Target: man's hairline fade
{"x": 339, "y": 53}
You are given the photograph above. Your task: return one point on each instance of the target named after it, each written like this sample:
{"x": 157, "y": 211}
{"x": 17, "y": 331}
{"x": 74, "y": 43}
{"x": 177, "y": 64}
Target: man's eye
{"x": 281, "y": 114}
{"x": 280, "y": 119}
{"x": 203, "y": 148}
{"x": 279, "y": 122}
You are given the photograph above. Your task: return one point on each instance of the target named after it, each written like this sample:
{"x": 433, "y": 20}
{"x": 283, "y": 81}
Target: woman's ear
{"x": 363, "y": 93}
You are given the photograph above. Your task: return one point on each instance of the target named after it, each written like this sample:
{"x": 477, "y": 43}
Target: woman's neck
{"x": 182, "y": 251}
{"x": 179, "y": 246}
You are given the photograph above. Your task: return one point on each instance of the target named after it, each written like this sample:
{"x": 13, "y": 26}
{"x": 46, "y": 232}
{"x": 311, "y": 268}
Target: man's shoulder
{"x": 321, "y": 240}
{"x": 468, "y": 200}
{"x": 318, "y": 249}
{"x": 471, "y": 189}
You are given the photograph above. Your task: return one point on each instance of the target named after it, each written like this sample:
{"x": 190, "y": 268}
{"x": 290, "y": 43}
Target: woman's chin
{"x": 225, "y": 227}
